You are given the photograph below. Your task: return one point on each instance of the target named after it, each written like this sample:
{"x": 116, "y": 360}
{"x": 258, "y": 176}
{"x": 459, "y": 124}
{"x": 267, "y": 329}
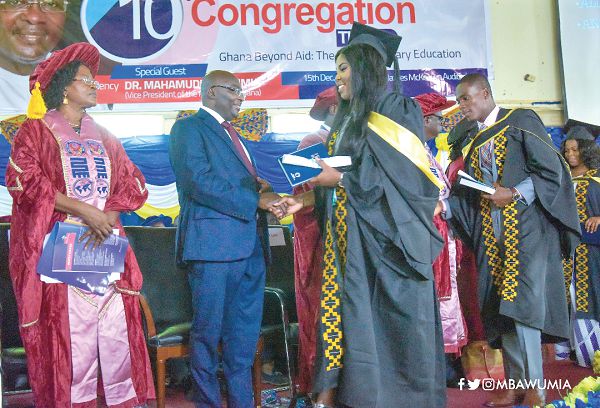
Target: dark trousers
{"x": 228, "y": 302}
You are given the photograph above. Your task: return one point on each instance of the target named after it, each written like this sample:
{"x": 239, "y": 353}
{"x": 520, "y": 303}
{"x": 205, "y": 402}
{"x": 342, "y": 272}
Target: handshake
{"x": 276, "y": 204}
{"x": 283, "y": 206}
{"x": 280, "y": 206}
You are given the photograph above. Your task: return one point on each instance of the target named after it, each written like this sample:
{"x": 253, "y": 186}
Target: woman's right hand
{"x": 293, "y": 204}
{"x": 100, "y": 224}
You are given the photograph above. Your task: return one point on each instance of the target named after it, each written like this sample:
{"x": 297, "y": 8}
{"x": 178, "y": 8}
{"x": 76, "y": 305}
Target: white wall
{"x": 525, "y": 43}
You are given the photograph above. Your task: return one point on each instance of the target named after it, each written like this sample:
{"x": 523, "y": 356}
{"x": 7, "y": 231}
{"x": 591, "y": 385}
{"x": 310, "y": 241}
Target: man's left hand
{"x": 501, "y": 198}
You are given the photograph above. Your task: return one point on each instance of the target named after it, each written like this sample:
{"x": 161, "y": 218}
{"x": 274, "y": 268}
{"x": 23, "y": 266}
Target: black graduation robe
{"x": 380, "y": 341}
{"x": 586, "y": 268}
{"x": 521, "y": 277}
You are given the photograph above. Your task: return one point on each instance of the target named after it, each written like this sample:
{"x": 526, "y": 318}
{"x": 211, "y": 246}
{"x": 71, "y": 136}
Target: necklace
{"x": 73, "y": 124}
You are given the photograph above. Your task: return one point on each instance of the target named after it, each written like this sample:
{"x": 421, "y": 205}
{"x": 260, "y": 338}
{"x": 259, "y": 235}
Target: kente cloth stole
{"x": 334, "y": 262}
{"x": 85, "y": 162}
{"x": 567, "y": 264}
{"x": 505, "y": 272}
{"x": 580, "y": 265}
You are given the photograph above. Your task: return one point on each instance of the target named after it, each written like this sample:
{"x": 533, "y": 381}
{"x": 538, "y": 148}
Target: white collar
{"x": 491, "y": 118}
{"x": 213, "y": 113}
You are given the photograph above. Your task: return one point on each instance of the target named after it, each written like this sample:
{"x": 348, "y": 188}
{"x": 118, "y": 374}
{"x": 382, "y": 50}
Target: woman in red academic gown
{"x": 64, "y": 166}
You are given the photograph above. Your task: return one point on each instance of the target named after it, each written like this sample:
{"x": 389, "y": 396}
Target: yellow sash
{"x": 405, "y": 142}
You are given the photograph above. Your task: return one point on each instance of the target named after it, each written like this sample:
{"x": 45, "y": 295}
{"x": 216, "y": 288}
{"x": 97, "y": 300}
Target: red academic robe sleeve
{"x": 30, "y": 181}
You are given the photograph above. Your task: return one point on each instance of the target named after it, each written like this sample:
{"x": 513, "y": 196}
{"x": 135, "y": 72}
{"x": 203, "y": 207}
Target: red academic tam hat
{"x": 84, "y": 52}
{"x": 432, "y": 103}
{"x": 324, "y": 100}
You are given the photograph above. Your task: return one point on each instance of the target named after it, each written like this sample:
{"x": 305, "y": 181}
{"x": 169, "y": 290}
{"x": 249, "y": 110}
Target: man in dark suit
{"x": 221, "y": 239}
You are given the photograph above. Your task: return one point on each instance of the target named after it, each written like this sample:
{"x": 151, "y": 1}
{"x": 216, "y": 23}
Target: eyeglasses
{"x": 47, "y": 6}
{"x": 236, "y": 91}
{"x": 92, "y": 83}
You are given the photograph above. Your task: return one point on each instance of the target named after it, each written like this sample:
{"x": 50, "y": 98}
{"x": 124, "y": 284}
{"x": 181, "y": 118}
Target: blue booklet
{"x": 65, "y": 259}
{"x": 299, "y": 166}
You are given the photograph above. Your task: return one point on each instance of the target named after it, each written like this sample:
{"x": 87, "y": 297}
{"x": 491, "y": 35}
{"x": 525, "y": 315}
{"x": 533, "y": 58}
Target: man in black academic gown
{"x": 519, "y": 234}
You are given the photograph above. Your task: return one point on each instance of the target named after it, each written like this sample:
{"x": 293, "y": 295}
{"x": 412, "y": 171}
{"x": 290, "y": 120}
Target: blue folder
{"x": 64, "y": 258}
{"x": 297, "y": 175}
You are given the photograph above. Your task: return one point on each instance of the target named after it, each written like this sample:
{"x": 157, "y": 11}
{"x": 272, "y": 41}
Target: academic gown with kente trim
{"x": 547, "y": 230}
{"x": 393, "y": 353}
{"x": 33, "y": 177}
{"x": 587, "y": 256}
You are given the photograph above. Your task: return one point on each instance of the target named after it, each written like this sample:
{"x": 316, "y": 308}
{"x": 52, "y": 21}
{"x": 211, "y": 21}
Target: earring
{"x": 65, "y": 99}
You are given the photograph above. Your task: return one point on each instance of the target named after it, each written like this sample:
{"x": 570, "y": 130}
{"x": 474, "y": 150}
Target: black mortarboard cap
{"x": 576, "y": 129}
{"x": 383, "y": 41}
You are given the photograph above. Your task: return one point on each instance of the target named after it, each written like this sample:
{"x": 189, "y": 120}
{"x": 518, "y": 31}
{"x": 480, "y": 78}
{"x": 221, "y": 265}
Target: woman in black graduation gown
{"x": 380, "y": 341}
{"x": 583, "y": 280}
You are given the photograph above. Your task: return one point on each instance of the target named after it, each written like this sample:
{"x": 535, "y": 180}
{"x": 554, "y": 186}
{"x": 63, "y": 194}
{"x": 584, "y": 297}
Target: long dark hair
{"x": 55, "y": 92}
{"x": 368, "y": 81}
{"x": 589, "y": 152}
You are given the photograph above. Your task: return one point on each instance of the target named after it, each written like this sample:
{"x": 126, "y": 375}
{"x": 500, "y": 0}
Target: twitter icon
{"x": 472, "y": 385}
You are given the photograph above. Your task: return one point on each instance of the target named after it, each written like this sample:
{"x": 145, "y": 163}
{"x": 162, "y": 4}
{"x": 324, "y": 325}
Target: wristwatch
{"x": 516, "y": 196}
{"x": 339, "y": 183}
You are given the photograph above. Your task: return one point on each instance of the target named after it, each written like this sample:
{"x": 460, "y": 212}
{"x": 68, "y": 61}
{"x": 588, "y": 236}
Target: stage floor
{"x": 566, "y": 371}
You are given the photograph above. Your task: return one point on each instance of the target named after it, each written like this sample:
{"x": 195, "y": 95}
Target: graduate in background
{"x": 583, "y": 281}
{"x": 520, "y": 234}
{"x": 380, "y": 341}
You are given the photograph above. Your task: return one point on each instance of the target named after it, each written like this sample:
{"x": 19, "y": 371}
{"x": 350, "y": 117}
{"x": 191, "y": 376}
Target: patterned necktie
{"x": 235, "y": 139}
{"x": 486, "y": 152}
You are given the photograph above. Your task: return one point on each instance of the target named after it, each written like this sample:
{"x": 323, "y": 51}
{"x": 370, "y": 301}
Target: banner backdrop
{"x": 282, "y": 51}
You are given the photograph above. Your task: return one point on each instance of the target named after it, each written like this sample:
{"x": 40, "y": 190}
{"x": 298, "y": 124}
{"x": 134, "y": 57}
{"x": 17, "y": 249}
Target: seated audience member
{"x": 158, "y": 221}
{"x": 583, "y": 281}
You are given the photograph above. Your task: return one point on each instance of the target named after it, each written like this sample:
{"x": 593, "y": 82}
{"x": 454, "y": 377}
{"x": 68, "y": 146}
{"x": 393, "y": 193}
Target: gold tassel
{"x": 65, "y": 100}
{"x": 36, "y": 108}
